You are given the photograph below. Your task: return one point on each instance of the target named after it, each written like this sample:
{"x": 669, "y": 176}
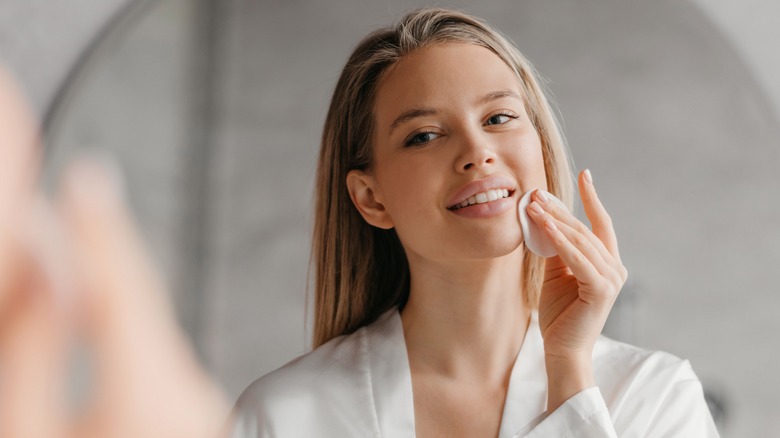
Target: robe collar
{"x": 391, "y": 380}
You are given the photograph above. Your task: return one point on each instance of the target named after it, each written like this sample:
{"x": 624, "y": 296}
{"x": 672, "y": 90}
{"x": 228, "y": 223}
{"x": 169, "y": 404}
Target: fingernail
{"x": 542, "y": 195}
{"x": 550, "y": 225}
{"x": 96, "y": 179}
{"x": 536, "y": 208}
{"x": 588, "y": 177}
{"x": 48, "y": 244}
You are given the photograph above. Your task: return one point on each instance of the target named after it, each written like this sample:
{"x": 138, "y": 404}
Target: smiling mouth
{"x": 483, "y": 198}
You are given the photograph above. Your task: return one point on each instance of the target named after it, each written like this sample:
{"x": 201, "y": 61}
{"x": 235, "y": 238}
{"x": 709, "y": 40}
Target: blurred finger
{"x": 18, "y": 156}
{"x": 34, "y": 340}
{"x": 149, "y": 382}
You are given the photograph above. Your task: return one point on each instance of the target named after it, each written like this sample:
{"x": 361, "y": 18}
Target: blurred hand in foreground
{"x": 73, "y": 272}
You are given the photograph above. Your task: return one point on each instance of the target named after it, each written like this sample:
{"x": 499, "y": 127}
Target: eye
{"x": 420, "y": 138}
{"x": 501, "y": 118}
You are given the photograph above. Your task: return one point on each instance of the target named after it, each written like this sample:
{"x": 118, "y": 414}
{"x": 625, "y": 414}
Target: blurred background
{"x": 214, "y": 110}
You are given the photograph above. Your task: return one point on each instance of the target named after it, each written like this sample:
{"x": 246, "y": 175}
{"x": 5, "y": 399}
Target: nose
{"x": 475, "y": 154}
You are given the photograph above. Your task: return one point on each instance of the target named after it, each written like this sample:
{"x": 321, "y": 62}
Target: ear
{"x": 366, "y": 197}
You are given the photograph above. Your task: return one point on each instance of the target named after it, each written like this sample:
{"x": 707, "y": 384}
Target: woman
{"x": 432, "y": 317}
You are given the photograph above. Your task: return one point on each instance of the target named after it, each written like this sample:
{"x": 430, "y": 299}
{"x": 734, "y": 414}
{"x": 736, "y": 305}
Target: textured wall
{"x": 40, "y": 40}
{"x": 751, "y": 26}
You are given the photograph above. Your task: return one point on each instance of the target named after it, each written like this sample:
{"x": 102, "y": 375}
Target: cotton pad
{"x": 536, "y": 239}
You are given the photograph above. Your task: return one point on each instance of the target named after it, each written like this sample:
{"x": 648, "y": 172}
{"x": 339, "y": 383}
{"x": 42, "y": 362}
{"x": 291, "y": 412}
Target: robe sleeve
{"x": 682, "y": 413}
{"x": 583, "y": 415}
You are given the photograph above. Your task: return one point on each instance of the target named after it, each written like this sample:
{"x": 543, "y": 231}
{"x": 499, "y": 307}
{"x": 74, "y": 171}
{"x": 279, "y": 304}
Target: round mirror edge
{"x": 110, "y": 34}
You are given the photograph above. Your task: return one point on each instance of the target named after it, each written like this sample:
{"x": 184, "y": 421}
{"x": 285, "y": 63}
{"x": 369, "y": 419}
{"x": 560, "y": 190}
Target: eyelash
{"x": 507, "y": 113}
{"x": 410, "y": 140}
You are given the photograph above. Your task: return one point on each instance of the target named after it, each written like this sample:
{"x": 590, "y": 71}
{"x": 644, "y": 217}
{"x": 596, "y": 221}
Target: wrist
{"x": 567, "y": 376}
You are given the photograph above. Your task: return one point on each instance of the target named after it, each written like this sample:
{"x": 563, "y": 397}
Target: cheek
{"x": 410, "y": 188}
{"x": 524, "y": 153}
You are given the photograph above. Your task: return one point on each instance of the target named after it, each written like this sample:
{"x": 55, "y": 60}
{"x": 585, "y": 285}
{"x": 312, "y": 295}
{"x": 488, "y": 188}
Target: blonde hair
{"x": 361, "y": 270}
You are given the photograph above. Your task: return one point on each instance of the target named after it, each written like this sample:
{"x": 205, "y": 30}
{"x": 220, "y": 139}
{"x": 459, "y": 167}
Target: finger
{"x": 18, "y": 139}
{"x": 593, "y": 288}
{"x": 576, "y": 238}
{"x": 119, "y": 282}
{"x": 597, "y": 214}
{"x": 148, "y": 380}
{"x": 580, "y": 265}
{"x": 33, "y": 342}
{"x": 562, "y": 214}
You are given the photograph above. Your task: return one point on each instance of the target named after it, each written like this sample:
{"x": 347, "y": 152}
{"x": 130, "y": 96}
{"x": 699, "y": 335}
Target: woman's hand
{"x": 77, "y": 274}
{"x": 580, "y": 286}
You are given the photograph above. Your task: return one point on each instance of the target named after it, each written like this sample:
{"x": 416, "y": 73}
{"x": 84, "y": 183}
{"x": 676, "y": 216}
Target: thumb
{"x": 555, "y": 267}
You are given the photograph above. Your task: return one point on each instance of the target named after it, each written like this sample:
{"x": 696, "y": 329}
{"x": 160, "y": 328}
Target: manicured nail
{"x": 536, "y": 208}
{"x": 588, "y": 177}
{"x": 542, "y": 196}
{"x": 550, "y": 225}
{"x": 96, "y": 179}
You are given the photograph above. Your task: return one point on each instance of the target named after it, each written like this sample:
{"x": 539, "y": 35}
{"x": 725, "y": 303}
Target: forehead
{"x": 442, "y": 76}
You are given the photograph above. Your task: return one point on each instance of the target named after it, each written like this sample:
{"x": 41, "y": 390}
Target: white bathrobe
{"x": 359, "y": 385}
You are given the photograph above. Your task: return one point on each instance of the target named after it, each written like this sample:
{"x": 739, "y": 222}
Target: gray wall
{"x": 671, "y": 104}
{"x": 40, "y": 40}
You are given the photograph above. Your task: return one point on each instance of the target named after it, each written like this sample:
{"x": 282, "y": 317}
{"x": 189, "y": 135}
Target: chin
{"x": 491, "y": 245}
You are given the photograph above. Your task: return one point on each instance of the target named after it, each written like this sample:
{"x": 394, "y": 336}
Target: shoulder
{"x": 316, "y": 371}
{"x": 645, "y": 388}
{"x": 618, "y": 362}
{"x": 303, "y": 384}
{"x": 326, "y": 389}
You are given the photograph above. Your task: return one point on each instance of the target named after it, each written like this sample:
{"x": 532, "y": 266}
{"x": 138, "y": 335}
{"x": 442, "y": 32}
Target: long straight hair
{"x": 362, "y": 271}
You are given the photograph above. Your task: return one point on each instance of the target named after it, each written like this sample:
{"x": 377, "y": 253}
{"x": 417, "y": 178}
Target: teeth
{"x": 481, "y": 198}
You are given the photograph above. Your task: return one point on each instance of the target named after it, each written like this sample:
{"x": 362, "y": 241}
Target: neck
{"x": 466, "y": 320}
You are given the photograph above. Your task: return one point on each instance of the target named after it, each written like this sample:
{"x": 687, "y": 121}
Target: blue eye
{"x": 420, "y": 138}
{"x": 500, "y": 118}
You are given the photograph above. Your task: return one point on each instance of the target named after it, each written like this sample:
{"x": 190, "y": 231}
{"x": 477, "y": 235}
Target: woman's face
{"x": 451, "y": 125}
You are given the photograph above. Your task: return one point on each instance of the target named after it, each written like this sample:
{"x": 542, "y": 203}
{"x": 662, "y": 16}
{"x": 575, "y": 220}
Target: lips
{"x": 494, "y": 182}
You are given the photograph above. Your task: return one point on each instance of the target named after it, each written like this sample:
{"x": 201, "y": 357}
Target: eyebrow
{"x": 428, "y": 111}
{"x": 495, "y": 95}
{"x": 412, "y": 114}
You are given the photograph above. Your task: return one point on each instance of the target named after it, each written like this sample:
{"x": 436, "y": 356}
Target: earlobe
{"x": 365, "y": 197}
